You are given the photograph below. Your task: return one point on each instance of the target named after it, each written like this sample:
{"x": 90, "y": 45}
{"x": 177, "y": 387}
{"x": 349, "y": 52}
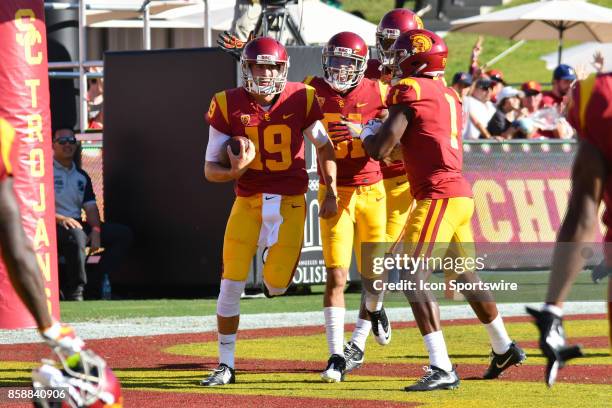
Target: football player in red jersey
{"x": 590, "y": 113}
{"x": 270, "y": 174}
{"x": 399, "y": 199}
{"x": 20, "y": 260}
{"x": 425, "y": 117}
{"x": 343, "y": 92}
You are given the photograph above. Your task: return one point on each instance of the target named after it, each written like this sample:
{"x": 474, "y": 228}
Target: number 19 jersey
{"x": 433, "y": 152}
{"x": 279, "y": 166}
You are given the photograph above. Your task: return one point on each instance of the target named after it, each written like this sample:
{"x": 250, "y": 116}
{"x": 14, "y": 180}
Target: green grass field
{"x": 522, "y": 65}
{"x": 532, "y": 288}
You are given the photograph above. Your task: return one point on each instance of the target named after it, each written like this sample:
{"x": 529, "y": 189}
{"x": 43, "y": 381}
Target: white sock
{"x": 436, "y": 347}
{"x": 227, "y": 349}
{"x": 361, "y": 332}
{"x": 334, "y": 329}
{"x": 373, "y": 302}
{"x": 500, "y": 341}
{"x": 557, "y": 311}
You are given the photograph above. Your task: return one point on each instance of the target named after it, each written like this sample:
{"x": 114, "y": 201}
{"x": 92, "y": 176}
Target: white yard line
{"x": 151, "y": 326}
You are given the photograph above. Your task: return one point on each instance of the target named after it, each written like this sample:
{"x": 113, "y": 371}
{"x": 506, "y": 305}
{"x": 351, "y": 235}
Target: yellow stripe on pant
{"x": 362, "y": 217}
{"x": 242, "y": 234}
{"x": 441, "y": 227}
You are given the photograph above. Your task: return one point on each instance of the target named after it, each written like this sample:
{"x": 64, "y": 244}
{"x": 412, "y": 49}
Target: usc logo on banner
{"x": 28, "y": 36}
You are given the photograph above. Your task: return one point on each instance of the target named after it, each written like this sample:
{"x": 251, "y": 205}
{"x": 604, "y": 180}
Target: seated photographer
{"x": 74, "y": 193}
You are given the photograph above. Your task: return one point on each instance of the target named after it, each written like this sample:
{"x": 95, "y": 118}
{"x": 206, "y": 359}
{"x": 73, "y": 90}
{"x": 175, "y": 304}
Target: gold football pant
{"x": 242, "y": 234}
{"x": 399, "y": 202}
{"x": 441, "y": 228}
{"x": 361, "y": 218}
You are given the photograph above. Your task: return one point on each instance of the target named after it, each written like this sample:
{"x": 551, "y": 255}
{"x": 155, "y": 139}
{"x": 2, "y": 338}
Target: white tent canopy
{"x": 581, "y": 55}
{"x": 318, "y": 21}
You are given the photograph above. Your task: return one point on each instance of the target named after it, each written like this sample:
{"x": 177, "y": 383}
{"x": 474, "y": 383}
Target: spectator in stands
{"x": 548, "y": 120}
{"x": 74, "y": 194}
{"x": 478, "y": 110}
{"x": 497, "y": 77}
{"x": 503, "y": 123}
{"x": 462, "y": 81}
{"x": 95, "y": 101}
{"x": 532, "y": 97}
{"x": 563, "y": 79}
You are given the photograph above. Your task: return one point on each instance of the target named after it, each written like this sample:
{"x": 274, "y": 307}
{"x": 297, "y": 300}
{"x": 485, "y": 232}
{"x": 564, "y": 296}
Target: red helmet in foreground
{"x": 344, "y": 60}
{"x": 391, "y": 26}
{"x": 84, "y": 381}
{"x": 264, "y": 51}
{"x": 418, "y": 52}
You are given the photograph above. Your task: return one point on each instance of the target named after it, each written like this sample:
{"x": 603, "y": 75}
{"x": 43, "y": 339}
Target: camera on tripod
{"x": 276, "y": 21}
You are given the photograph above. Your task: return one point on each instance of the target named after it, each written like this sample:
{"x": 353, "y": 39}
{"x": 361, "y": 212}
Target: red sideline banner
{"x": 521, "y": 190}
{"x": 24, "y": 103}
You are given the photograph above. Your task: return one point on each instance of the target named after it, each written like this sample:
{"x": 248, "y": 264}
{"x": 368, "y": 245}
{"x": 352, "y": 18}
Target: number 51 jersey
{"x": 279, "y": 166}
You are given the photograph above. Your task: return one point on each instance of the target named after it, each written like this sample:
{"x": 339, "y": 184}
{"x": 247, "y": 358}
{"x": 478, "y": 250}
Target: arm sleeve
{"x": 404, "y": 93}
{"x": 217, "y": 115}
{"x": 316, "y": 134}
{"x": 216, "y": 139}
{"x": 89, "y": 197}
{"x": 313, "y": 109}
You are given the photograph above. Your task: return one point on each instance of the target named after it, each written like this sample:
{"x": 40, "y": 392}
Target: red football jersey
{"x": 7, "y": 135}
{"x": 279, "y": 166}
{"x": 590, "y": 114}
{"x": 364, "y": 102}
{"x": 431, "y": 144}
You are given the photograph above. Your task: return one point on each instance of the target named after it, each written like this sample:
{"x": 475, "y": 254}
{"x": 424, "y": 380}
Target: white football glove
{"x": 371, "y": 127}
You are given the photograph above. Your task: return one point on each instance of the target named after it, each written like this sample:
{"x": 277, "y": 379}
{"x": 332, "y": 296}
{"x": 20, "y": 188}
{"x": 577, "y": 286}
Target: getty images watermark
{"x": 506, "y": 272}
{"x": 459, "y": 265}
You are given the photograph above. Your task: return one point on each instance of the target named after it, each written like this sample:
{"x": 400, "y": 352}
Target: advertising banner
{"x": 24, "y": 104}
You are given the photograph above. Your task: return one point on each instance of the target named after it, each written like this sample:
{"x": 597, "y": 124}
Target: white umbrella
{"x": 544, "y": 20}
{"x": 582, "y": 55}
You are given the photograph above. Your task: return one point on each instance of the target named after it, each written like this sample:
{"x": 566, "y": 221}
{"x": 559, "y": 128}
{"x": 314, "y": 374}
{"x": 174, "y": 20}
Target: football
{"x": 234, "y": 143}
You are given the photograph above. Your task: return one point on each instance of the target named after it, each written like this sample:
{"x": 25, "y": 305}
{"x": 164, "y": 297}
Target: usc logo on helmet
{"x": 245, "y": 119}
{"x": 421, "y": 43}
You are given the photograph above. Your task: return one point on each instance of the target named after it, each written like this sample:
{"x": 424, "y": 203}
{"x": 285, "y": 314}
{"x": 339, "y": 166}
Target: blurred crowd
{"x": 495, "y": 110}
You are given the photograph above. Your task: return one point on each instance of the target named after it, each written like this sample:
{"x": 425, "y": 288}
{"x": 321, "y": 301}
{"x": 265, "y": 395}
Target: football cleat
{"x": 63, "y": 339}
{"x": 353, "y": 356}
{"x": 553, "y": 343}
{"x": 435, "y": 379}
{"x": 380, "y": 326}
{"x": 501, "y": 362}
{"x": 336, "y": 365}
{"x": 221, "y": 375}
